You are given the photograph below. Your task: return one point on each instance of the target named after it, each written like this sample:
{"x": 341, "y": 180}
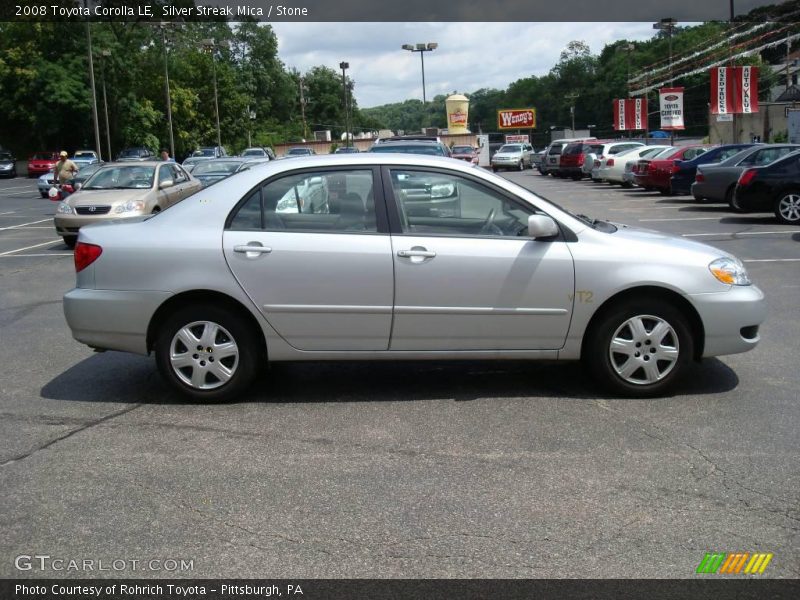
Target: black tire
{"x": 664, "y": 192}
{"x": 597, "y": 354}
{"x": 576, "y": 177}
{"x": 729, "y": 200}
{"x": 627, "y": 185}
{"x": 43, "y": 195}
{"x": 787, "y": 207}
{"x": 494, "y": 169}
{"x": 241, "y": 333}
{"x": 70, "y": 240}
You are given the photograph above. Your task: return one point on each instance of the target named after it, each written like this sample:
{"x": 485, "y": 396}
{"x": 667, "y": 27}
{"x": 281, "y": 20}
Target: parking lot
{"x": 417, "y": 470}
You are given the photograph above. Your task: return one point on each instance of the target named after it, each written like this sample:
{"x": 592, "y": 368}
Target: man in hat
{"x": 65, "y": 169}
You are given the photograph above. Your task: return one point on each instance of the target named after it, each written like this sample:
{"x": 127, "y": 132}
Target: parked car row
{"x": 748, "y": 177}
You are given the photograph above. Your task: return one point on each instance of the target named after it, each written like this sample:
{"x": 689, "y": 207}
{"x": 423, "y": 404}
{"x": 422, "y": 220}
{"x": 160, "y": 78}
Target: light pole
{"x": 94, "y": 91}
{"x": 163, "y": 26}
{"x": 212, "y": 45}
{"x": 422, "y": 49}
{"x": 105, "y": 53}
{"x": 668, "y": 25}
{"x": 344, "y": 66}
{"x": 571, "y": 98}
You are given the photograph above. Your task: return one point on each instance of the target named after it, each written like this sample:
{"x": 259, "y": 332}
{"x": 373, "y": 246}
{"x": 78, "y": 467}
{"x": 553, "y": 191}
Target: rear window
{"x": 432, "y": 150}
{"x": 556, "y": 149}
{"x": 572, "y": 149}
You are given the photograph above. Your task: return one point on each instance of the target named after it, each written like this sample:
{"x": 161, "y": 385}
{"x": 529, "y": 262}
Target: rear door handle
{"x": 416, "y": 253}
{"x": 252, "y": 249}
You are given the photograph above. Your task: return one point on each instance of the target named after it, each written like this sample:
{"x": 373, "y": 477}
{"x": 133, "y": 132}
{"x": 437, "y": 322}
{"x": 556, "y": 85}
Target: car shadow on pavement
{"x": 763, "y": 220}
{"x": 123, "y": 378}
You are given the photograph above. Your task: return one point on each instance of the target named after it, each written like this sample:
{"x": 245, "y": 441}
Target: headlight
{"x": 64, "y": 209}
{"x": 131, "y": 206}
{"x": 730, "y": 271}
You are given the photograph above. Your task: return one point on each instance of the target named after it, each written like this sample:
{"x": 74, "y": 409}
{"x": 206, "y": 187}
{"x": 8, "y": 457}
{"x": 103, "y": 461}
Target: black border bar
{"x": 386, "y": 11}
{"x": 401, "y": 589}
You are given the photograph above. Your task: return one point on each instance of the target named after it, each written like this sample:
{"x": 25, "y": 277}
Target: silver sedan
{"x": 392, "y": 256}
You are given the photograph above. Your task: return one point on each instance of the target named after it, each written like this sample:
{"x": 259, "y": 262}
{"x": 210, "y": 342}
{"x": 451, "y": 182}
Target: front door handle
{"x": 252, "y": 249}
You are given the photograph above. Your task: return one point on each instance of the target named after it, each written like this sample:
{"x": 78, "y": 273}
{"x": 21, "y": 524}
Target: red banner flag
{"x": 629, "y": 114}
{"x": 734, "y": 90}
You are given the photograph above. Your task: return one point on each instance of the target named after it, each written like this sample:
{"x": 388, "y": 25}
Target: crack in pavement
{"x": 69, "y": 434}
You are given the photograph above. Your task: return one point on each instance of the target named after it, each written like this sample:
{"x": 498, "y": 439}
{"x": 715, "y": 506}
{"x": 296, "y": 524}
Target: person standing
{"x": 64, "y": 172}
{"x": 165, "y": 156}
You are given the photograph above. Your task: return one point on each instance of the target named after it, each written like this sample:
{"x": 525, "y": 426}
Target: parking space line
{"x": 23, "y": 225}
{"x": 680, "y": 219}
{"x": 649, "y": 207}
{"x": 29, "y": 247}
{"x": 738, "y": 233}
{"x": 762, "y": 260}
{"x": 36, "y": 255}
{"x": 10, "y": 212}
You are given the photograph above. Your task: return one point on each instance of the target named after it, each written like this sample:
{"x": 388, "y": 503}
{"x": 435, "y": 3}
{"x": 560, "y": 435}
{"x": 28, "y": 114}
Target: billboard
{"x": 734, "y": 90}
{"x": 516, "y": 118}
{"x": 670, "y": 101}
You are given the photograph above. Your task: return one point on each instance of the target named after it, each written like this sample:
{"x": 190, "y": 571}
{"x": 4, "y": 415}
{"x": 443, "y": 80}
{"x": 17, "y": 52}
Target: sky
{"x": 470, "y": 56}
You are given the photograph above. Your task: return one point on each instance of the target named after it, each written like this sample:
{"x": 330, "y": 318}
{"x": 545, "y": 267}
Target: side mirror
{"x": 166, "y": 183}
{"x": 541, "y": 226}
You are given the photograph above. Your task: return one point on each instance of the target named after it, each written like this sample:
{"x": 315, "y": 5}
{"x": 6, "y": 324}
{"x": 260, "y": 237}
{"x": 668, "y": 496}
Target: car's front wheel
{"x": 639, "y": 348}
{"x": 207, "y": 353}
{"x": 787, "y": 208}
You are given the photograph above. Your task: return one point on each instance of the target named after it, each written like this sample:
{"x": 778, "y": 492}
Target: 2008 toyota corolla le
{"x": 391, "y": 256}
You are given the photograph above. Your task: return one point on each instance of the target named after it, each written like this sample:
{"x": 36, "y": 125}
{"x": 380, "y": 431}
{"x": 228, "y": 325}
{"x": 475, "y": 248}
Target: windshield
{"x": 511, "y": 148}
{"x": 84, "y": 155}
{"x": 130, "y": 153}
{"x": 121, "y": 178}
{"x": 204, "y": 152}
{"x": 254, "y": 152}
{"x": 86, "y": 171}
{"x": 216, "y": 167}
{"x": 43, "y": 156}
{"x": 299, "y": 151}
{"x": 5, "y": 156}
{"x": 462, "y": 149}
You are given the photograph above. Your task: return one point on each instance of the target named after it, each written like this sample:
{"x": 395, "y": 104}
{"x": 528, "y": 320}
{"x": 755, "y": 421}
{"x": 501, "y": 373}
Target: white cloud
{"x": 470, "y": 56}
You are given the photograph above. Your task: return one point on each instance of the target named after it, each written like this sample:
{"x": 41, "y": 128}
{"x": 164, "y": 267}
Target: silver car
{"x": 336, "y": 257}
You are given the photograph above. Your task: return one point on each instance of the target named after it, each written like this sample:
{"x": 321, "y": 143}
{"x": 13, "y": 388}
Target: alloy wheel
{"x": 203, "y": 355}
{"x": 644, "y": 350}
{"x": 789, "y": 208}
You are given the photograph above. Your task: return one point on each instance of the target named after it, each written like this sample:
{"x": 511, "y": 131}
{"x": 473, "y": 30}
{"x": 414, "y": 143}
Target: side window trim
{"x": 394, "y": 210}
{"x": 381, "y": 214}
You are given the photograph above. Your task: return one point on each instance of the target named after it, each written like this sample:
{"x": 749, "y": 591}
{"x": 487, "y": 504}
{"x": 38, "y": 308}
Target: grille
{"x": 92, "y": 210}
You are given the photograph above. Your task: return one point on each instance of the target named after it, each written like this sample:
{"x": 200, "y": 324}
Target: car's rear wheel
{"x": 639, "y": 348}
{"x": 43, "y": 194}
{"x": 787, "y": 208}
{"x": 730, "y": 199}
{"x": 69, "y": 240}
{"x": 207, "y": 353}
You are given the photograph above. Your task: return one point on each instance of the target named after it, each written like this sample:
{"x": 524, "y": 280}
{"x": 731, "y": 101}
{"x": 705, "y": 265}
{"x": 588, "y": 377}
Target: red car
{"x": 40, "y": 163}
{"x": 655, "y": 173}
{"x": 463, "y": 152}
{"x": 573, "y": 156}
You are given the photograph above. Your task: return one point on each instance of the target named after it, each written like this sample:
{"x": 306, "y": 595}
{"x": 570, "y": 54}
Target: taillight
{"x": 581, "y": 158}
{"x": 746, "y": 177}
{"x": 651, "y": 168}
{"x": 610, "y": 162}
{"x": 86, "y": 254}
{"x": 675, "y": 167}
{"x": 699, "y": 177}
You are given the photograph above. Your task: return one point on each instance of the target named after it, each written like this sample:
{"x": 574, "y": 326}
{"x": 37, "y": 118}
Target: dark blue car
{"x": 682, "y": 180}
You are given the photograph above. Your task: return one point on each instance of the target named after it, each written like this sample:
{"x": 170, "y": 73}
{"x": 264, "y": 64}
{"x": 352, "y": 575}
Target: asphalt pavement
{"x": 419, "y": 469}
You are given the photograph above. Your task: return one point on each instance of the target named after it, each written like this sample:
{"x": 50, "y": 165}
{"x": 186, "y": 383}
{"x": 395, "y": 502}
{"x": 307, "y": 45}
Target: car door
{"x": 312, "y": 251}
{"x": 169, "y": 195}
{"x": 467, "y": 277}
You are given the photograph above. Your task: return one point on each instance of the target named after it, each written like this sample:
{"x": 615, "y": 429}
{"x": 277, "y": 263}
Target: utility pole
{"x": 105, "y": 54}
{"x": 302, "y": 85}
{"x": 571, "y": 98}
{"x": 344, "y": 66}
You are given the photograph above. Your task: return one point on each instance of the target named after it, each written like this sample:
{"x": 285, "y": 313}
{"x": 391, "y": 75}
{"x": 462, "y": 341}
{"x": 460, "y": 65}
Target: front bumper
{"x": 70, "y": 224}
{"x": 111, "y": 319}
{"x": 731, "y": 319}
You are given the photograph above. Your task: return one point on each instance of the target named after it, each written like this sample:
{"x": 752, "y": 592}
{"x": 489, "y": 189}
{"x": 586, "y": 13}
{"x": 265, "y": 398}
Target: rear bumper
{"x": 110, "y": 319}
{"x": 731, "y": 319}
